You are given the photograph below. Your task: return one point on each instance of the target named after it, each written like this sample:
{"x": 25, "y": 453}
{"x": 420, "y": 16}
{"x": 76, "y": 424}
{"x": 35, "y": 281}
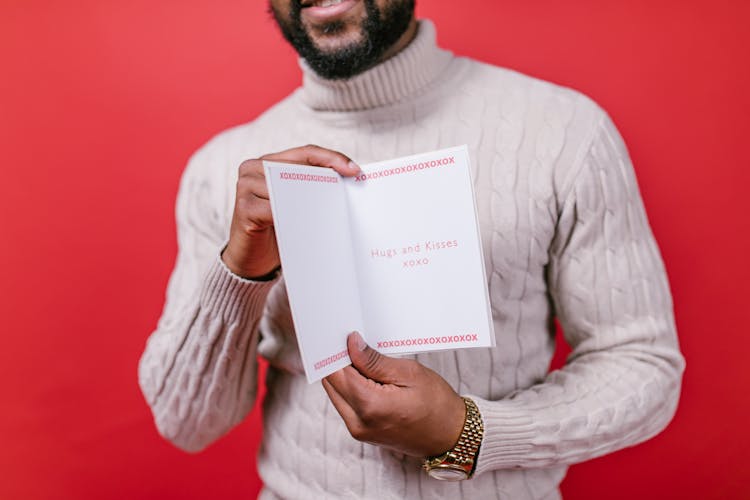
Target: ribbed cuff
{"x": 508, "y": 435}
{"x": 228, "y": 295}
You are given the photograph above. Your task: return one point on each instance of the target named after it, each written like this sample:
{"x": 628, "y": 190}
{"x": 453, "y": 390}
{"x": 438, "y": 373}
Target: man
{"x": 564, "y": 235}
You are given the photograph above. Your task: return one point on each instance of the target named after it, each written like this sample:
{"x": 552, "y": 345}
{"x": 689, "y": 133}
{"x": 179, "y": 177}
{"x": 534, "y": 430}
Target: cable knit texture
{"x": 564, "y": 235}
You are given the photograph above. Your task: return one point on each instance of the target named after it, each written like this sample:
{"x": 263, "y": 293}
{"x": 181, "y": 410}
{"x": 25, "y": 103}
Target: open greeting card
{"x": 393, "y": 253}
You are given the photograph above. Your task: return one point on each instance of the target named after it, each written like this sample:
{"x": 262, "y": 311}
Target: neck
{"x": 407, "y": 69}
{"x": 404, "y": 40}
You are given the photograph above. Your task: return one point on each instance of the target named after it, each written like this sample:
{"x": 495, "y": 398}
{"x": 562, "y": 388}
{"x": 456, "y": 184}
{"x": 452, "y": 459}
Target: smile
{"x": 321, "y": 3}
{"x": 327, "y": 10}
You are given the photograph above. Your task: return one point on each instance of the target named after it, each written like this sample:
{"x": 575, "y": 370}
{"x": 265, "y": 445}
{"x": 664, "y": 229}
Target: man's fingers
{"x": 350, "y": 385}
{"x": 318, "y": 157}
{"x": 254, "y": 185}
{"x": 367, "y": 385}
{"x": 360, "y": 401}
{"x": 350, "y": 417}
{"x": 373, "y": 365}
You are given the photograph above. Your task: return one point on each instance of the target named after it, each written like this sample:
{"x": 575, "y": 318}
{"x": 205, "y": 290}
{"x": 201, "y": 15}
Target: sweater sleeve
{"x": 198, "y": 371}
{"x": 621, "y": 382}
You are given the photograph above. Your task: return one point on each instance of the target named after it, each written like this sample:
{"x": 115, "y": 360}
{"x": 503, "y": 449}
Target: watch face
{"x": 448, "y": 473}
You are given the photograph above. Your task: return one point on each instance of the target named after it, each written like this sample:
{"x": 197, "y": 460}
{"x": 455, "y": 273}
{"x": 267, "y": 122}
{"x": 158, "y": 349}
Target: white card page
{"x": 393, "y": 253}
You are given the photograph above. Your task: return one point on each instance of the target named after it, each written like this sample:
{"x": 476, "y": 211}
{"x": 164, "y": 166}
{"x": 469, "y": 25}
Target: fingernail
{"x": 361, "y": 344}
{"x": 353, "y": 166}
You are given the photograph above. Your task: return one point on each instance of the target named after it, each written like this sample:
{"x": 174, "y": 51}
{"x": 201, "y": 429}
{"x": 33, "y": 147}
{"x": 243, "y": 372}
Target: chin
{"x": 339, "y": 41}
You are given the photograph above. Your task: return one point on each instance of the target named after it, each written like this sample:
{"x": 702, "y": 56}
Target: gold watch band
{"x": 460, "y": 461}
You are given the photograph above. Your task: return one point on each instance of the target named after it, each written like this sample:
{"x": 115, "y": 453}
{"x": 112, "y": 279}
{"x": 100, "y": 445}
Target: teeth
{"x": 327, "y": 3}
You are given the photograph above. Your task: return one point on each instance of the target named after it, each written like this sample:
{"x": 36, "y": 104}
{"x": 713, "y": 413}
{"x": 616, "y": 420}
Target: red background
{"x": 101, "y": 103}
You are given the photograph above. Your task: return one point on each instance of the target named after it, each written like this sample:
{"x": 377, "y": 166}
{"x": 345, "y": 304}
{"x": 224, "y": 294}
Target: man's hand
{"x": 252, "y": 251}
{"x": 395, "y": 403}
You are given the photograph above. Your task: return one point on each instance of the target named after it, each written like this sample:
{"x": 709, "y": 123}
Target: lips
{"x": 326, "y": 10}
{"x": 320, "y": 3}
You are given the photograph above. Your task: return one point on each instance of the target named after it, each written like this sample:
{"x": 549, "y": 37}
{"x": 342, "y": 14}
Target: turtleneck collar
{"x": 398, "y": 77}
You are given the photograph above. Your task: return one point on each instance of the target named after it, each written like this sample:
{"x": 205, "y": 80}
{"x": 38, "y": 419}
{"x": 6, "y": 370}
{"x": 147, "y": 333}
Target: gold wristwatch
{"x": 459, "y": 462}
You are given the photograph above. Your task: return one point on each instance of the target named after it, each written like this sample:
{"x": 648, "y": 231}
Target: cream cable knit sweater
{"x": 564, "y": 233}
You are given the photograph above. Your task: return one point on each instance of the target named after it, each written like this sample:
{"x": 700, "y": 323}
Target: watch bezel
{"x": 448, "y": 472}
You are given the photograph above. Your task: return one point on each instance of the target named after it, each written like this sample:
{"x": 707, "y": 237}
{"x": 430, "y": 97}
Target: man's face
{"x": 341, "y": 38}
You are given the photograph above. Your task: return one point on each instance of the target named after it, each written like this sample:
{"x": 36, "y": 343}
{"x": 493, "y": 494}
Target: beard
{"x": 380, "y": 29}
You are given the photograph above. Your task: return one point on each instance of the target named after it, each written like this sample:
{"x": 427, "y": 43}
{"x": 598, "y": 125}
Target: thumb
{"x": 373, "y": 365}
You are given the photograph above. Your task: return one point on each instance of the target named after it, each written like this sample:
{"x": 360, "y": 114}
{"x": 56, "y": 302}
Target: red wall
{"x": 101, "y": 102}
